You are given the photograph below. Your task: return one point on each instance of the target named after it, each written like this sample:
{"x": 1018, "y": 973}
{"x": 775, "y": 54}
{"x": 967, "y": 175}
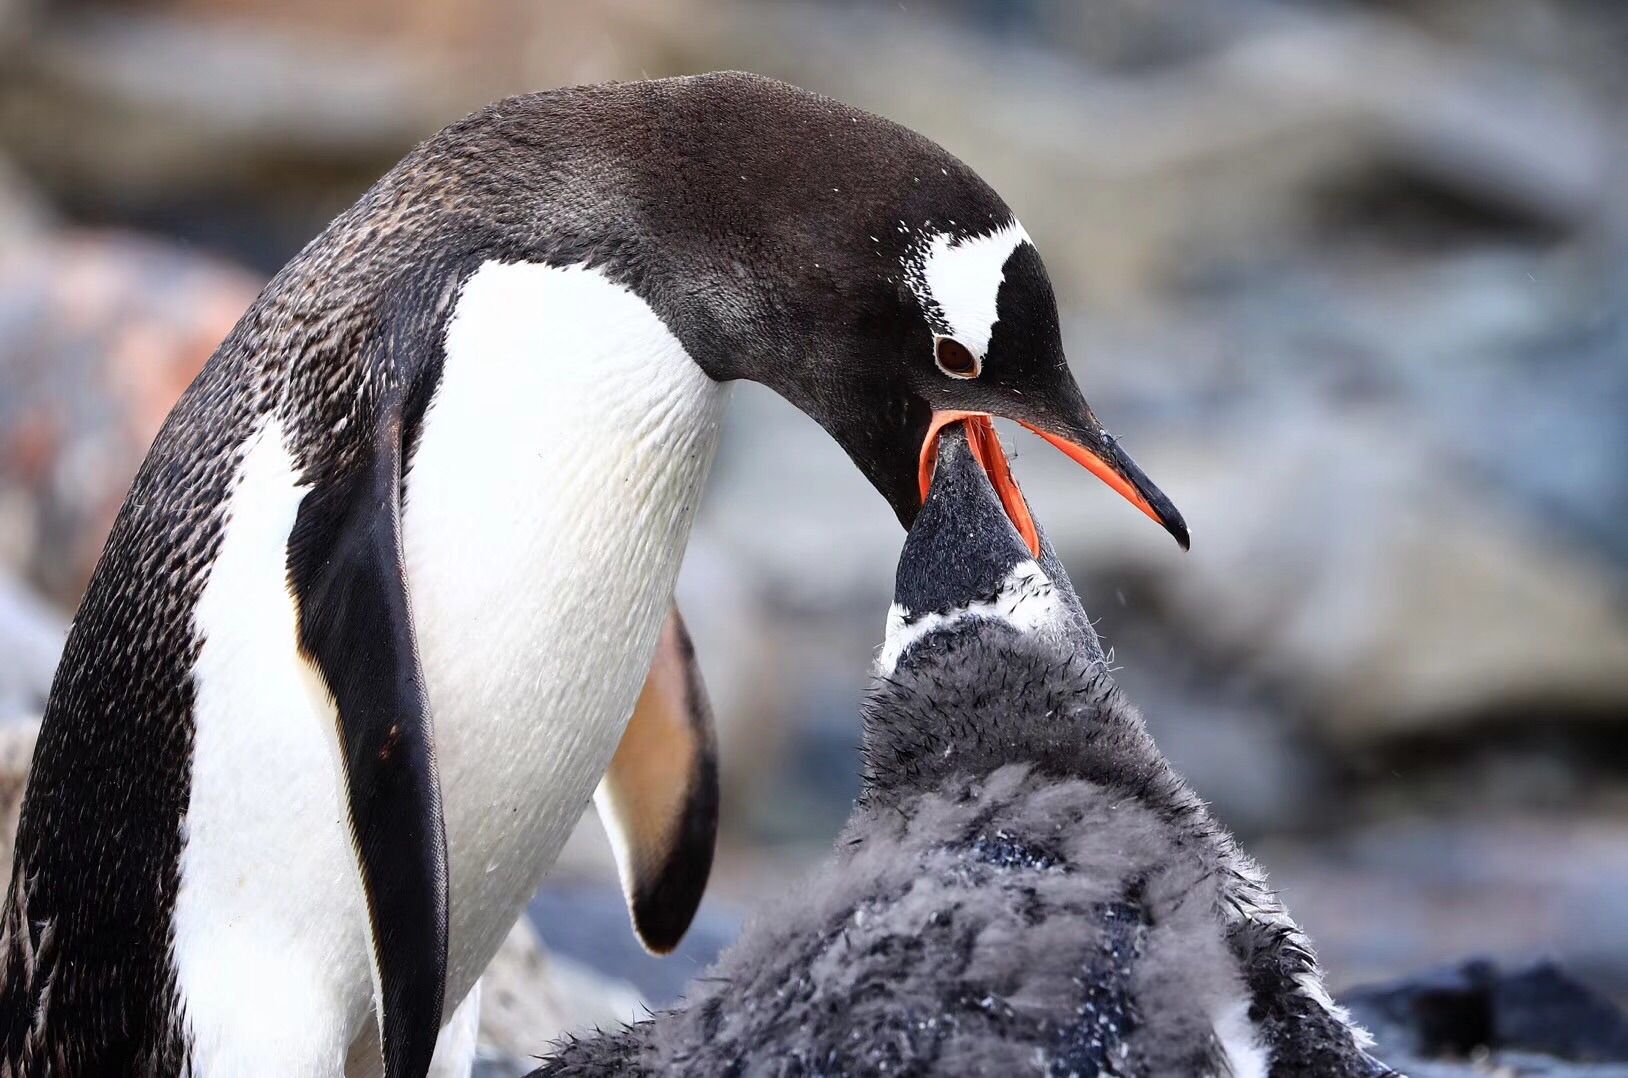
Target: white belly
{"x": 546, "y": 512}
{"x": 270, "y": 907}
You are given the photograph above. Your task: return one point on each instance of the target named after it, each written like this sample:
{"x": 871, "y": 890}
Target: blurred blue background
{"x": 1349, "y": 278}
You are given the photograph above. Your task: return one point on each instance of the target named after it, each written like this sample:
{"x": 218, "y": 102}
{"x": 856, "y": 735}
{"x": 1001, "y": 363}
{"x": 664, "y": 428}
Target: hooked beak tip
{"x": 1110, "y": 464}
{"x": 1177, "y": 527}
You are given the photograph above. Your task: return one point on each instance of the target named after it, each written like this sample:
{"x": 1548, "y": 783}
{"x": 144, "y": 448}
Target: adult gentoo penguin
{"x": 1024, "y": 887}
{"x": 369, "y": 627}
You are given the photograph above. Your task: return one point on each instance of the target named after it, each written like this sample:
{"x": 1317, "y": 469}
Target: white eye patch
{"x": 957, "y": 281}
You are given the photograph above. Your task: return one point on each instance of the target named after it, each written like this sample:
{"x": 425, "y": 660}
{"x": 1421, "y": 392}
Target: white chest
{"x": 546, "y": 512}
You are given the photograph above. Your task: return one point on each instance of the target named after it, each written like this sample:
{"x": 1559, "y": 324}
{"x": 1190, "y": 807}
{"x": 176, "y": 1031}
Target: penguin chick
{"x": 1025, "y": 885}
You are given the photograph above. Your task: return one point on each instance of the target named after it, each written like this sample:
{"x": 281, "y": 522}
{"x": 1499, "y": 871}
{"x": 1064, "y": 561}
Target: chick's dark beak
{"x": 986, "y": 450}
{"x": 1081, "y": 438}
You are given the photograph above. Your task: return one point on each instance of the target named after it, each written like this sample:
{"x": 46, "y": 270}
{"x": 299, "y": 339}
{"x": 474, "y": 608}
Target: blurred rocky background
{"x": 1350, "y": 279}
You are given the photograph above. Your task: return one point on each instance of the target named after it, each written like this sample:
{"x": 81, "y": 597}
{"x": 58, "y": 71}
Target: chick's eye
{"x": 954, "y": 358}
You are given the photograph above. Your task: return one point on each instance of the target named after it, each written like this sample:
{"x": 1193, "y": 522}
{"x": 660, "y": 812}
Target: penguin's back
{"x": 98, "y": 844}
{"x": 104, "y": 826}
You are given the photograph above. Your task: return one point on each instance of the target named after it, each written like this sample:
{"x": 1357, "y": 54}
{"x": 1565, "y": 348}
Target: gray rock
{"x": 527, "y": 987}
{"x": 23, "y": 213}
{"x": 1390, "y": 540}
{"x": 496, "y": 1065}
{"x": 31, "y": 638}
{"x": 1420, "y": 891}
{"x": 99, "y": 334}
{"x": 587, "y": 924}
{"x": 16, "y": 753}
{"x": 1478, "y": 1018}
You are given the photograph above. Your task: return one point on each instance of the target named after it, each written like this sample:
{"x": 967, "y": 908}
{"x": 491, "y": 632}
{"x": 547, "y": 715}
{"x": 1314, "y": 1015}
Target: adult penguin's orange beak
{"x": 1084, "y": 441}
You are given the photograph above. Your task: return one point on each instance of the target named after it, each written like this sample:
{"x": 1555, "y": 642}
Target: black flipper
{"x": 355, "y": 625}
{"x": 659, "y": 799}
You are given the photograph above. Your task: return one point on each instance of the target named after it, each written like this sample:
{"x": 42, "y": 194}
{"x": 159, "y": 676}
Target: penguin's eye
{"x": 954, "y": 358}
